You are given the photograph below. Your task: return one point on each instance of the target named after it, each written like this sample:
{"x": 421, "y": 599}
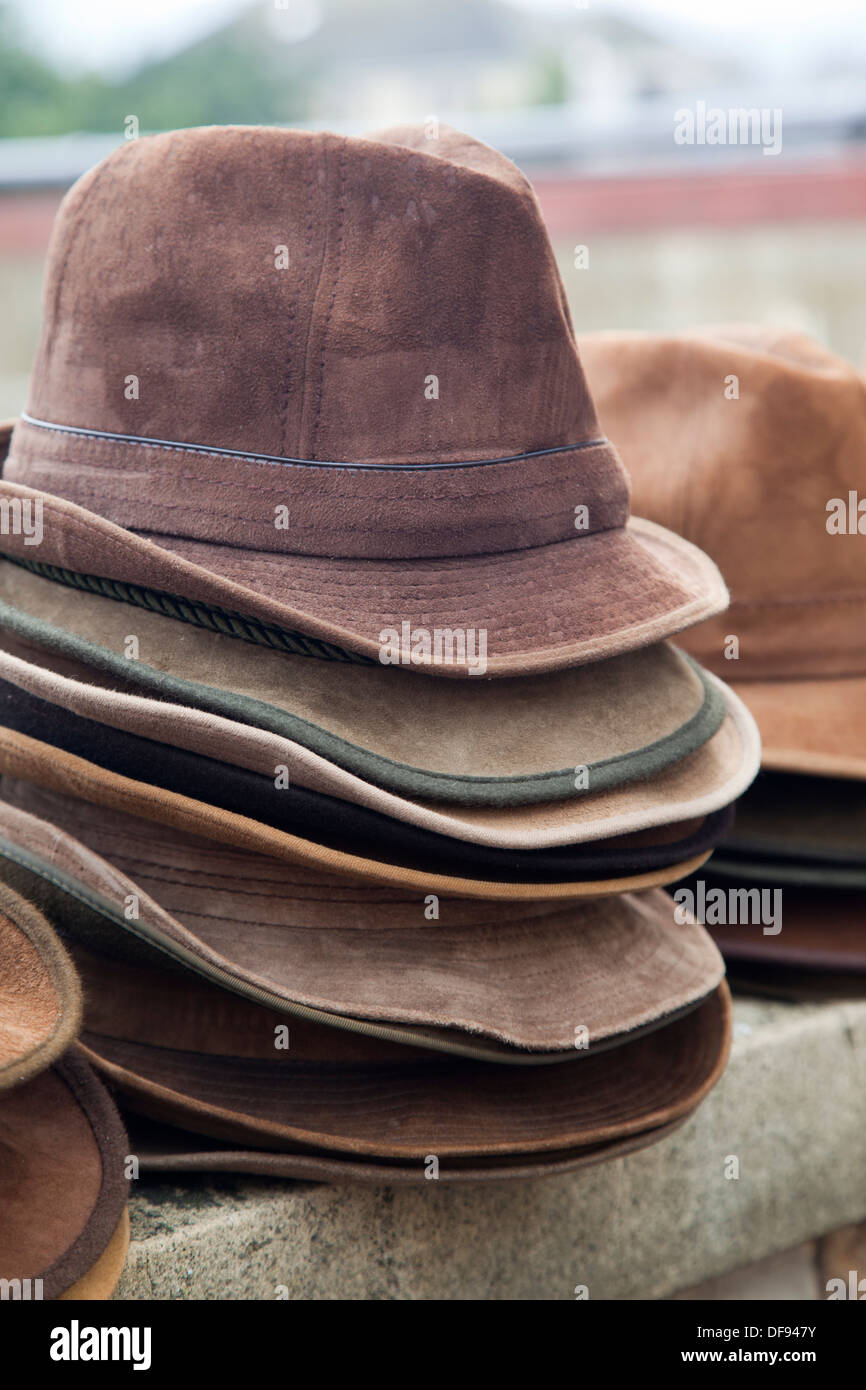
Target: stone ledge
{"x": 791, "y": 1107}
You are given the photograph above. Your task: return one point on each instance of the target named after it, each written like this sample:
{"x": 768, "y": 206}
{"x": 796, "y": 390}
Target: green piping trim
{"x": 400, "y": 778}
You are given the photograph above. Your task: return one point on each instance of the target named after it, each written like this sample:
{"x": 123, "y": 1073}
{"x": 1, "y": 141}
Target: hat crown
{"x": 750, "y": 441}
{"x": 310, "y": 296}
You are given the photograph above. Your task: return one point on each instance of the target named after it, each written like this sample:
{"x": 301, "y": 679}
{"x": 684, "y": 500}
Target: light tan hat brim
{"x": 695, "y": 786}
{"x": 508, "y": 742}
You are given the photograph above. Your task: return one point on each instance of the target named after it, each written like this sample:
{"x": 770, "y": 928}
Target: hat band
{"x": 359, "y": 510}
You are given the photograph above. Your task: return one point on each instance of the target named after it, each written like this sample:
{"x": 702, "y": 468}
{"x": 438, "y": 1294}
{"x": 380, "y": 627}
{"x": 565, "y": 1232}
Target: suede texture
{"x": 506, "y": 742}
{"x": 513, "y": 976}
{"x": 40, "y": 996}
{"x": 697, "y": 786}
{"x": 749, "y": 480}
{"x": 99, "y": 1283}
{"x": 328, "y": 821}
{"x": 63, "y": 681}
{"x": 403, "y": 259}
{"x": 812, "y": 726}
{"x": 62, "y": 1189}
{"x": 451, "y": 1109}
{"x": 26, "y": 759}
{"x": 166, "y": 1149}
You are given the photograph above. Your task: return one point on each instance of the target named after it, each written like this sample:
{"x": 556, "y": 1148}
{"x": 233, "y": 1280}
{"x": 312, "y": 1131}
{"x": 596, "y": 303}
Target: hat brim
{"x": 44, "y": 765}
{"x": 40, "y": 995}
{"x": 542, "y": 609}
{"x": 62, "y": 1189}
{"x": 617, "y": 721}
{"x": 450, "y": 1109}
{"x": 483, "y": 975}
{"x": 99, "y": 1283}
{"x": 331, "y": 821}
{"x": 165, "y": 1149}
{"x": 810, "y": 726}
{"x": 704, "y": 782}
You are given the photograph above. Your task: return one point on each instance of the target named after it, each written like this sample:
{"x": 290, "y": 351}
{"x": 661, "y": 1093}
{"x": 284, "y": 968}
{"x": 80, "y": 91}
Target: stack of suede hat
{"x": 766, "y": 470}
{"x": 342, "y": 735}
{"x": 64, "y": 1229}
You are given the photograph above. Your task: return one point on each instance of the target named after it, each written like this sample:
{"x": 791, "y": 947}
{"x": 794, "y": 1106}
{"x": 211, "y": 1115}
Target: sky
{"x": 116, "y": 38}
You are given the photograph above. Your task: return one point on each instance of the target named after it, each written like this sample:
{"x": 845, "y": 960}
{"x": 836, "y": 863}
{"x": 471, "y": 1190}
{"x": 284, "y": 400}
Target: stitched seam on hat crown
{"x": 327, "y": 325}
{"x": 287, "y": 377}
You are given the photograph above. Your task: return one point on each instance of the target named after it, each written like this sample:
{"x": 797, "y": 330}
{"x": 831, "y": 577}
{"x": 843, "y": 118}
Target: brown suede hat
{"x": 822, "y": 931}
{"x": 332, "y": 385}
{"x": 63, "y": 1193}
{"x": 503, "y": 981}
{"x": 24, "y": 759}
{"x": 76, "y": 707}
{"x": 752, "y": 443}
{"x": 227, "y": 1068}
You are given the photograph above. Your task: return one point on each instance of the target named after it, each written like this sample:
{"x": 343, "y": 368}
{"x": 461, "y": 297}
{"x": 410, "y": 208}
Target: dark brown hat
{"x": 332, "y": 384}
{"x": 510, "y": 981}
{"x": 224, "y": 1067}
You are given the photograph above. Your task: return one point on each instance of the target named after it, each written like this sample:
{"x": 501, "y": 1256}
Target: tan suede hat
{"x": 504, "y": 981}
{"x": 752, "y": 442}
{"x": 252, "y": 771}
{"x": 515, "y": 741}
{"x": 229, "y": 1069}
{"x": 214, "y": 298}
{"x": 64, "y": 1230}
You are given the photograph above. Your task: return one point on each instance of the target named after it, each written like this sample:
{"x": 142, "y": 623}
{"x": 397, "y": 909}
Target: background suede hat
{"x": 801, "y": 827}
{"x": 251, "y": 281}
{"x": 516, "y": 741}
{"x": 240, "y": 1082}
{"x": 342, "y": 953}
{"x": 763, "y": 480}
{"x": 62, "y": 1191}
{"x": 822, "y": 932}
